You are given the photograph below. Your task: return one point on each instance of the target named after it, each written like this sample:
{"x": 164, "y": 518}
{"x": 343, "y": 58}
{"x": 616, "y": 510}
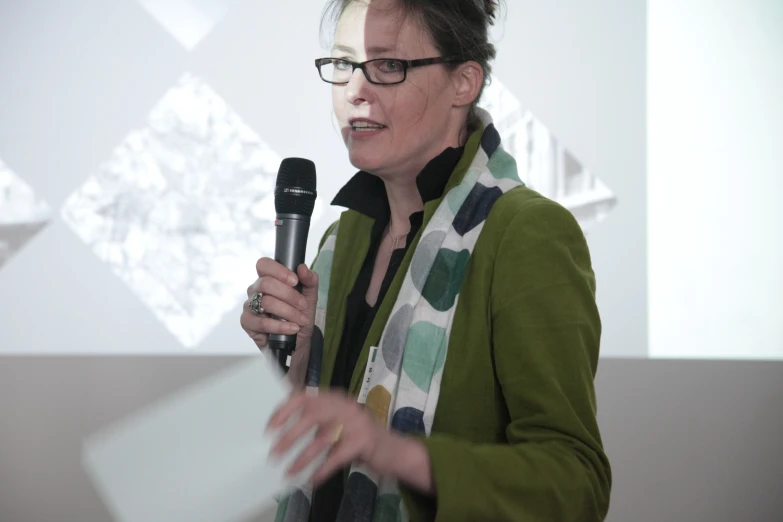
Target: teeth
{"x": 364, "y": 124}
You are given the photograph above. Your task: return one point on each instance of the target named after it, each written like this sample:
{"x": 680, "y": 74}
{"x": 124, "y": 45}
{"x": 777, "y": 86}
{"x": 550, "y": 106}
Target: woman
{"x": 450, "y": 318}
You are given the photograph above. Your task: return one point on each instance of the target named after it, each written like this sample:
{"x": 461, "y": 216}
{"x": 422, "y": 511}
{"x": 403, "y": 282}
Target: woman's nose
{"x": 357, "y": 89}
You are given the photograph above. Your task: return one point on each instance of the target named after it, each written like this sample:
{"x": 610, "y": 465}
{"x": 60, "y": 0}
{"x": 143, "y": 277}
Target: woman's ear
{"x": 468, "y": 79}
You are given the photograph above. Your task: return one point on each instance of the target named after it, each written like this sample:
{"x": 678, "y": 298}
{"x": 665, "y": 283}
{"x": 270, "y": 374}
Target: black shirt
{"x": 366, "y": 193}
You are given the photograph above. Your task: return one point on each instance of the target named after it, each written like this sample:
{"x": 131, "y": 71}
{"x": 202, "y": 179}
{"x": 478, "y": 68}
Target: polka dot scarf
{"x": 403, "y": 374}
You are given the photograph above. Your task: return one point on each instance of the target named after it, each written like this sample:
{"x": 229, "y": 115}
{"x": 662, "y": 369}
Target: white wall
{"x": 156, "y": 219}
{"x": 715, "y": 178}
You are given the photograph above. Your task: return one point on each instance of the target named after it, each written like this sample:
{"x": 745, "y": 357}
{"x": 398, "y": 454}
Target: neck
{"x": 402, "y": 191}
{"x": 404, "y": 200}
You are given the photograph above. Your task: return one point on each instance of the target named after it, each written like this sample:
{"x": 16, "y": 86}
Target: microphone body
{"x": 291, "y": 231}
{"x": 294, "y": 201}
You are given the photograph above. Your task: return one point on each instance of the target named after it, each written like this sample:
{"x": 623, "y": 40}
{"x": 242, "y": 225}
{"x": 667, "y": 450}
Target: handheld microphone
{"x": 294, "y": 201}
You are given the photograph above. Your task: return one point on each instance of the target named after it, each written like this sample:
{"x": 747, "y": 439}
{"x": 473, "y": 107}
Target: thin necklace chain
{"x": 395, "y": 239}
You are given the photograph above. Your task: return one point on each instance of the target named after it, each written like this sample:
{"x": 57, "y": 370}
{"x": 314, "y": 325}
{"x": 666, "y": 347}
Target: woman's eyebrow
{"x": 376, "y": 49}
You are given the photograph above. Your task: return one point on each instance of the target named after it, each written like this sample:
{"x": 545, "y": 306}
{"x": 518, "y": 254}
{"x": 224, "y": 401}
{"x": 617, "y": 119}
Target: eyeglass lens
{"x": 380, "y": 71}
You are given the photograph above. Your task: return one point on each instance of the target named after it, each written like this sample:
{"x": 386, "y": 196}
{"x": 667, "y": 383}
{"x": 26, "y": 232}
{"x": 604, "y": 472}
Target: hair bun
{"x": 491, "y": 7}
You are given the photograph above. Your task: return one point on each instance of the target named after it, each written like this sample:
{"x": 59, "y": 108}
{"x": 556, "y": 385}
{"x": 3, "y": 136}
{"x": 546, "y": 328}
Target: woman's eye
{"x": 390, "y": 66}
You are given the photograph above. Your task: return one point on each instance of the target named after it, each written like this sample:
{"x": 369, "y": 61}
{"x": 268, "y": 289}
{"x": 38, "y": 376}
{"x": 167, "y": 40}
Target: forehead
{"x": 378, "y": 27}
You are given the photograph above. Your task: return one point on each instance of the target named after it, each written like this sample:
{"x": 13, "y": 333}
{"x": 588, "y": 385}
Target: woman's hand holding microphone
{"x": 279, "y": 297}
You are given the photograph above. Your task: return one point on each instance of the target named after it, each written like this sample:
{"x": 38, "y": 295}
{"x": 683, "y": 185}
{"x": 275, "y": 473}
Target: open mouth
{"x": 365, "y": 126}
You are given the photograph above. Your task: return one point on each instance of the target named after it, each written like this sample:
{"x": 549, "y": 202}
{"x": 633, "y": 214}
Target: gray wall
{"x": 689, "y": 441}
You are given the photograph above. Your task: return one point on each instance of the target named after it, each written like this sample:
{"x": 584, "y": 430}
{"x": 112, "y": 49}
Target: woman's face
{"x": 418, "y": 115}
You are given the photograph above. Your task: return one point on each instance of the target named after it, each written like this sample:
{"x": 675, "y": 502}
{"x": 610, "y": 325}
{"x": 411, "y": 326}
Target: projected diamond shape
{"x": 187, "y": 21}
{"x": 544, "y": 163}
{"x": 182, "y": 209}
{"x": 22, "y": 214}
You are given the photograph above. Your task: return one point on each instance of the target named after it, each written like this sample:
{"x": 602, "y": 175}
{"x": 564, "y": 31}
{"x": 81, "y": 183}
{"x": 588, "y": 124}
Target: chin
{"x": 363, "y": 161}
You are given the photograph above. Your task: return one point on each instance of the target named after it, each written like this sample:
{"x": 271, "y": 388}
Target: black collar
{"x": 366, "y": 192}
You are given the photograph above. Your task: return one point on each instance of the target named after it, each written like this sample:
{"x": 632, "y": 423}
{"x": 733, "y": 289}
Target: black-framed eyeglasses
{"x": 380, "y": 71}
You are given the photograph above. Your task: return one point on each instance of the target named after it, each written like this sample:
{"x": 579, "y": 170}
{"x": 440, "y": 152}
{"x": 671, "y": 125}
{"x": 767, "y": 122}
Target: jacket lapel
{"x": 351, "y": 246}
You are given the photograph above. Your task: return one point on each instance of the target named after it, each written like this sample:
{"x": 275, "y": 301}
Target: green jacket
{"x": 515, "y": 435}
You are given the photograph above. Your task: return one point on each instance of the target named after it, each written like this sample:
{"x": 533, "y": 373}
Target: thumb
{"x": 308, "y": 279}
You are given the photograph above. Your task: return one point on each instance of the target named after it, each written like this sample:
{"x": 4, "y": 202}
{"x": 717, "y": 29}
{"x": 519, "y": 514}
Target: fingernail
{"x": 303, "y": 319}
{"x": 302, "y": 304}
{"x": 292, "y": 280}
{"x": 293, "y": 327}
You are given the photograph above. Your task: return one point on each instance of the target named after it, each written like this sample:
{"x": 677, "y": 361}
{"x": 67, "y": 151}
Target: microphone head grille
{"x": 296, "y": 172}
{"x": 295, "y": 188}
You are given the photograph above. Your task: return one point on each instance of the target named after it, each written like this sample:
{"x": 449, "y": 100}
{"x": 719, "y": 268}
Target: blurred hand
{"x": 343, "y": 426}
{"x": 277, "y": 285}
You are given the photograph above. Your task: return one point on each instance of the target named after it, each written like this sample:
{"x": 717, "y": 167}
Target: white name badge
{"x": 368, "y": 374}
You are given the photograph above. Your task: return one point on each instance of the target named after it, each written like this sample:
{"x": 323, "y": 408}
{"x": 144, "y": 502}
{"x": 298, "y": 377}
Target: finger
{"x": 271, "y": 286}
{"x": 259, "y": 324}
{"x": 295, "y": 403}
{"x": 323, "y": 440}
{"x": 341, "y": 454}
{"x": 309, "y": 287}
{"x": 307, "y": 277}
{"x": 261, "y": 340}
{"x": 254, "y": 288}
{"x": 281, "y": 310}
{"x": 269, "y": 267}
{"x": 303, "y": 425}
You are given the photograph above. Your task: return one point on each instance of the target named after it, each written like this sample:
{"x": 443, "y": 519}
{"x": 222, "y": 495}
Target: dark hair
{"x": 459, "y": 28}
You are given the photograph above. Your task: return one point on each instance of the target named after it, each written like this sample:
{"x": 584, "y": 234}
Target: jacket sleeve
{"x": 546, "y": 334}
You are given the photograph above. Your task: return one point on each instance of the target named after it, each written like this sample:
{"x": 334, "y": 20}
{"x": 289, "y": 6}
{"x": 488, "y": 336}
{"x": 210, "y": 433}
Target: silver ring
{"x": 255, "y": 303}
